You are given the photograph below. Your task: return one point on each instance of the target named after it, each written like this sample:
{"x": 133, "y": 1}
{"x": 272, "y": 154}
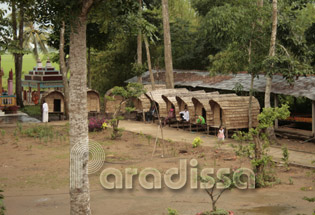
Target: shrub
{"x": 2, "y": 208}
{"x": 97, "y": 124}
{"x": 197, "y": 142}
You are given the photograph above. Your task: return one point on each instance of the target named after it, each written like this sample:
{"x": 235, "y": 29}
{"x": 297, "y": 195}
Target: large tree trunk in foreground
{"x": 79, "y": 181}
{"x": 169, "y": 77}
{"x": 63, "y": 68}
{"x": 149, "y": 61}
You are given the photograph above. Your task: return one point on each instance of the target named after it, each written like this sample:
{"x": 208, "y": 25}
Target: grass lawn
{"x": 7, "y": 63}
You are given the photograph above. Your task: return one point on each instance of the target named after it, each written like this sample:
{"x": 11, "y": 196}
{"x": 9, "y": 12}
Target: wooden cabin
{"x": 93, "y": 101}
{"x": 55, "y": 101}
{"x": 232, "y": 112}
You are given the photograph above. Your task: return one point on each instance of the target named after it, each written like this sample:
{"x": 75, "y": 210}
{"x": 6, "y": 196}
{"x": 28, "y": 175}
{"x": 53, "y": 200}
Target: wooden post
{"x": 276, "y": 105}
{"x": 38, "y": 88}
{"x": 29, "y": 94}
{"x": 226, "y": 133}
{"x": 313, "y": 118}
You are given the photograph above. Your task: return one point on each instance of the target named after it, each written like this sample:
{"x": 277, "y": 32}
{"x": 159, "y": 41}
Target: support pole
{"x": 313, "y": 118}
{"x": 276, "y": 105}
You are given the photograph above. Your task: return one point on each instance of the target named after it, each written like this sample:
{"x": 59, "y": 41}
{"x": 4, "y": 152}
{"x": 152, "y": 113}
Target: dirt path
{"x": 297, "y": 158}
{"x": 35, "y": 175}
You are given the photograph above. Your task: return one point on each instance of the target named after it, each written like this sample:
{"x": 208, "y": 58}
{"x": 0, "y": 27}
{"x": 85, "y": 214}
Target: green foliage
{"x": 41, "y": 132}
{"x": 2, "y": 208}
{"x": 309, "y": 199}
{"x": 130, "y": 109}
{"x": 285, "y": 157}
{"x": 197, "y": 142}
{"x": 2, "y": 133}
{"x": 132, "y": 90}
{"x": 138, "y": 69}
{"x": 258, "y": 144}
{"x": 171, "y": 211}
{"x": 291, "y": 181}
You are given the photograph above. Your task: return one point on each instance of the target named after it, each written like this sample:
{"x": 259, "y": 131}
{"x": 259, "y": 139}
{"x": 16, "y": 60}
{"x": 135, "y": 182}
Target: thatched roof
{"x": 93, "y": 91}
{"x": 156, "y": 96}
{"x": 235, "y": 111}
{"x": 303, "y": 86}
{"x": 47, "y": 93}
{"x": 203, "y": 100}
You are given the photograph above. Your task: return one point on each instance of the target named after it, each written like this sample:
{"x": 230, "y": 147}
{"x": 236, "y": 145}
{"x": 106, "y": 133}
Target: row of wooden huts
{"x": 227, "y": 110}
{"x": 55, "y": 101}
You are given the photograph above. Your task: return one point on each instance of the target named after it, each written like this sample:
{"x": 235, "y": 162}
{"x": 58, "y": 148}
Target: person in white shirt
{"x": 184, "y": 115}
{"x": 45, "y": 112}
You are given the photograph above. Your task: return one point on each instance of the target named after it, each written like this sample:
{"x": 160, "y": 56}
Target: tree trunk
{"x": 63, "y": 68}
{"x": 89, "y": 67}
{"x": 272, "y": 51}
{"x": 149, "y": 61}
{"x": 260, "y": 3}
{"x": 250, "y": 115}
{"x": 169, "y": 77}
{"x": 250, "y": 118}
{"x": 79, "y": 181}
{"x": 14, "y": 27}
{"x": 139, "y": 45}
{"x": 259, "y": 169}
{"x": 18, "y": 72}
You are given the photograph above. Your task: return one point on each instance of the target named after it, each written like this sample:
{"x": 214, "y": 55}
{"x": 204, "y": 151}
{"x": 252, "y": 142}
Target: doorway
{"x": 57, "y": 105}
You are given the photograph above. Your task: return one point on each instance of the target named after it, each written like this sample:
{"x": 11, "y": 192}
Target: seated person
{"x": 171, "y": 114}
{"x": 200, "y": 120}
{"x": 149, "y": 115}
{"x": 184, "y": 115}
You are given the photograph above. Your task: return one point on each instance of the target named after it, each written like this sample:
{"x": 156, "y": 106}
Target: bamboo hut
{"x": 232, "y": 112}
{"x": 54, "y": 100}
{"x": 202, "y": 107}
{"x": 93, "y": 101}
{"x": 156, "y": 96}
{"x": 185, "y": 100}
{"x": 179, "y": 105}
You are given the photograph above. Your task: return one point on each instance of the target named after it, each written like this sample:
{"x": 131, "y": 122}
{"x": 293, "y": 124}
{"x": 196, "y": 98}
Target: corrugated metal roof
{"x": 303, "y": 86}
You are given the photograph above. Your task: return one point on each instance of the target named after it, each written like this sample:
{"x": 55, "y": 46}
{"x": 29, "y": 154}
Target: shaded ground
{"x": 34, "y": 175}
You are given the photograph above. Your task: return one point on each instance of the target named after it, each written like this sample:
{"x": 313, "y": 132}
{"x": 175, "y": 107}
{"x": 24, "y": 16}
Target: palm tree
{"x": 35, "y": 39}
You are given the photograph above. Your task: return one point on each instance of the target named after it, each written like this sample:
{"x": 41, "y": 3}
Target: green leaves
{"x": 269, "y": 115}
{"x": 2, "y": 208}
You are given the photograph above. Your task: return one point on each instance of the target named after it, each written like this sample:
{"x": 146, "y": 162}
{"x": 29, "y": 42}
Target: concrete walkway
{"x": 295, "y": 158}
